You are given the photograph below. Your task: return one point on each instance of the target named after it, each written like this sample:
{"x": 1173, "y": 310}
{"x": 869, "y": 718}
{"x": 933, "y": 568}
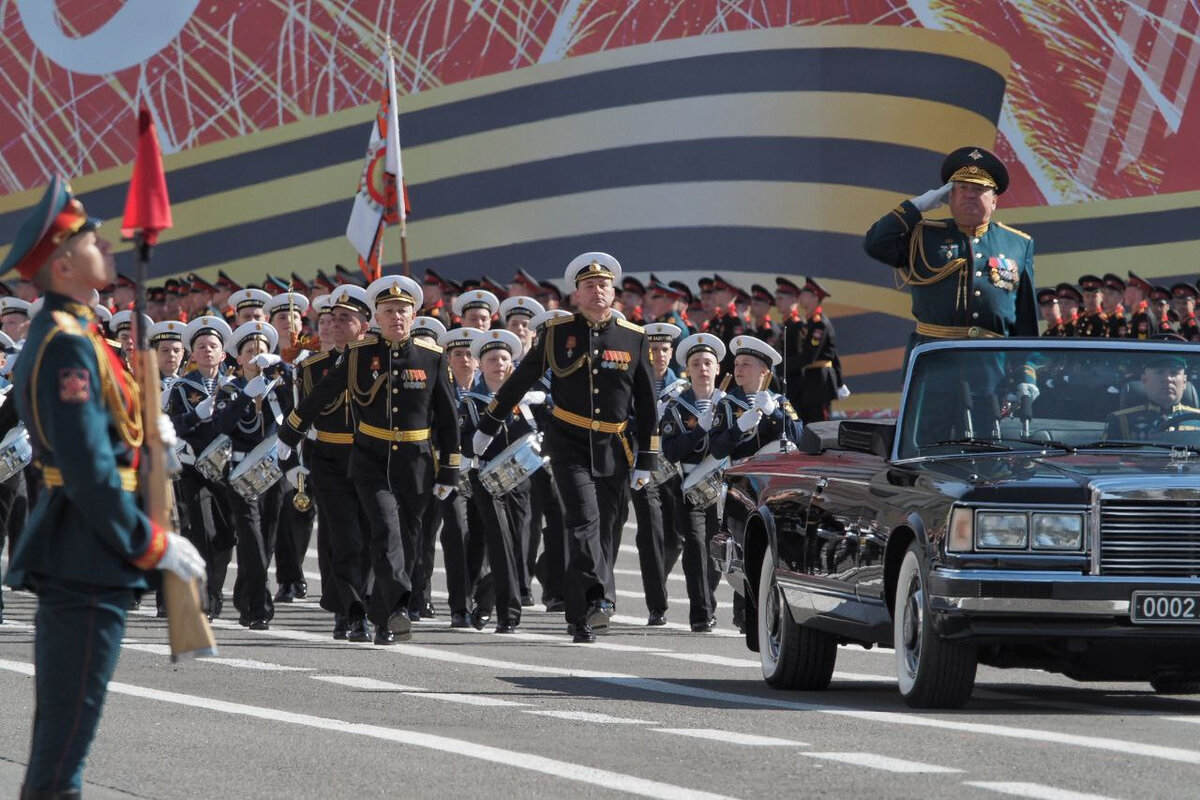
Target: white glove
{"x": 182, "y": 558}
{"x": 749, "y": 421}
{"x": 705, "y": 420}
{"x": 1113, "y": 390}
{"x": 932, "y": 199}
{"x": 294, "y": 473}
{"x": 166, "y": 431}
{"x": 257, "y": 386}
{"x": 843, "y": 392}
{"x": 284, "y": 452}
{"x": 765, "y": 402}
{"x": 480, "y": 442}
{"x": 441, "y": 491}
{"x": 264, "y": 360}
{"x": 533, "y": 398}
{"x": 1029, "y": 389}
{"x": 224, "y": 380}
{"x": 639, "y": 479}
{"x": 204, "y": 409}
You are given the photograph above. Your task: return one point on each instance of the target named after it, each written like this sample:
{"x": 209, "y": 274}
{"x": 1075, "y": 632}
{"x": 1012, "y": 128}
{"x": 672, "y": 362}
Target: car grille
{"x": 1150, "y": 539}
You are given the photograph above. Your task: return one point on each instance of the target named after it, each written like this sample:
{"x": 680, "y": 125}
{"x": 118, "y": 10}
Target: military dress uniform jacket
{"x": 727, "y": 439}
{"x": 249, "y": 421}
{"x": 1093, "y": 326}
{"x": 684, "y": 442}
{"x": 816, "y": 372}
{"x": 472, "y": 406}
{"x": 186, "y": 393}
{"x": 332, "y": 430}
{"x": 963, "y": 284}
{"x": 1141, "y": 325}
{"x": 1059, "y": 328}
{"x": 1141, "y": 422}
{"x": 402, "y": 405}
{"x": 83, "y": 414}
{"x": 600, "y": 377}
{"x": 726, "y": 324}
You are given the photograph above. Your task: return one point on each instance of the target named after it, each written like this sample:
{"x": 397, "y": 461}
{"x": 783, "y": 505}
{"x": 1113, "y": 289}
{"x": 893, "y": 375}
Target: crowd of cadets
{"x": 1116, "y": 308}
{"x": 252, "y": 363}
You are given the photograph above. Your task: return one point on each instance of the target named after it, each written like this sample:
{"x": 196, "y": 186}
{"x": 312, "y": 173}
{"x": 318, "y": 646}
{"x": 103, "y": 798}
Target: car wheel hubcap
{"x": 774, "y": 622}
{"x": 911, "y": 629}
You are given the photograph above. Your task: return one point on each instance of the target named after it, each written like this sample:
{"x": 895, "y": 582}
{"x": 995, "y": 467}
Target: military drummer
{"x": 85, "y": 423}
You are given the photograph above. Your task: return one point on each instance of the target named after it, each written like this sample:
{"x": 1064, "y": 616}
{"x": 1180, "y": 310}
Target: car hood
{"x": 1033, "y": 477}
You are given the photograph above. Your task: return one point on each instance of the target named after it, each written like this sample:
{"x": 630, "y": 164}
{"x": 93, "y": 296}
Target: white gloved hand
{"x": 204, "y": 409}
{"x": 441, "y": 491}
{"x": 295, "y": 472}
{"x": 257, "y": 386}
{"x": 1029, "y": 389}
{"x": 749, "y": 421}
{"x": 765, "y": 402}
{"x": 182, "y": 558}
{"x": 264, "y": 360}
{"x": 705, "y": 420}
{"x": 224, "y": 379}
{"x": 166, "y": 431}
{"x": 639, "y": 479}
{"x": 533, "y": 398}
{"x": 932, "y": 199}
{"x": 284, "y": 452}
{"x": 480, "y": 442}
{"x": 843, "y": 392}
{"x": 1113, "y": 390}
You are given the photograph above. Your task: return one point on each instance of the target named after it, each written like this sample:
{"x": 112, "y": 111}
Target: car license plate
{"x": 1152, "y": 608}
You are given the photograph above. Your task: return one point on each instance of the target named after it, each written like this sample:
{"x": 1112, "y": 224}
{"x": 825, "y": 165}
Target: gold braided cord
{"x": 908, "y": 276}
{"x": 129, "y": 424}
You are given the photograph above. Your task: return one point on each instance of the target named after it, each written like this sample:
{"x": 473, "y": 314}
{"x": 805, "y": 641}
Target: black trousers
{"x": 255, "y": 544}
{"x": 593, "y": 509}
{"x": 426, "y": 552}
{"x": 502, "y": 519}
{"x": 454, "y": 511}
{"x": 550, "y": 568}
{"x": 293, "y": 534}
{"x": 343, "y": 535}
{"x": 395, "y": 523}
{"x": 656, "y": 539}
{"x": 12, "y": 515}
{"x": 210, "y": 528}
{"x": 698, "y": 526}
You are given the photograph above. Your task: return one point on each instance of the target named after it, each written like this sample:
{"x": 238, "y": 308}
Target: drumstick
{"x": 765, "y": 382}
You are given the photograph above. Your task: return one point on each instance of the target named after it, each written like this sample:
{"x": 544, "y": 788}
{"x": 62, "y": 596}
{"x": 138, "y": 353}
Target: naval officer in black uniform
{"x": 599, "y": 377}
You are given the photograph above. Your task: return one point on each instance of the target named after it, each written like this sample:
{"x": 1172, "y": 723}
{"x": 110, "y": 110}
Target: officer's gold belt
{"x": 589, "y": 424}
{"x": 819, "y": 364}
{"x": 393, "y": 436}
{"x": 335, "y": 438}
{"x": 53, "y": 478}
{"x": 955, "y": 332}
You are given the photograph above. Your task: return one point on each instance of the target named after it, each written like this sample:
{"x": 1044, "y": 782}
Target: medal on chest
{"x": 413, "y": 378}
{"x": 615, "y": 359}
{"x": 1002, "y": 272}
{"x": 376, "y": 366}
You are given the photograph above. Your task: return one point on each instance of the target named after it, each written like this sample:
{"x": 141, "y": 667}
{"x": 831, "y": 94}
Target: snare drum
{"x": 513, "y": 465}
{"x": 258, "y": 472}
{"x": 665, "y": 471}
{"x": 15, "y": 452}
{"x": 702, "y": 487}
{"x": 215, "y": 458}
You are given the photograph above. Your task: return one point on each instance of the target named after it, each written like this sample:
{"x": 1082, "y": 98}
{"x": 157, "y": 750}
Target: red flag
{"x": 147, "y": 207}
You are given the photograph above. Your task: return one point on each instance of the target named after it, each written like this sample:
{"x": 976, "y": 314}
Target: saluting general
{"x": 970, "y": 276}
{"x": 87, "y": 545}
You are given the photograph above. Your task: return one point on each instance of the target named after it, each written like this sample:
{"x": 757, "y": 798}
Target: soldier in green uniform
{"x": 85, "y": 424}
{"x": 1163, "y": 381}
{"x": 1093, "y": 322}
{"x": 970, "y": 276}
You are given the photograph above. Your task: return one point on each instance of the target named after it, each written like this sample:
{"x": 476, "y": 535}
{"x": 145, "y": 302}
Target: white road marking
{"x": 369, "y": 684}
{"x": 468, "y": 699}
{"x": 673, "y": 626}
{"x": 881, "y": 762}
{"x": 236, "y": 663}
{"x": 459, "y": 747}
{"x": 589, "y": 716}
{"x": 864, "y": 676}
{"x": 730, "y": 737}
{"x": 642, "y": 596}
{"x": 1036, "y": 791}
{"x": 709, "y": 658}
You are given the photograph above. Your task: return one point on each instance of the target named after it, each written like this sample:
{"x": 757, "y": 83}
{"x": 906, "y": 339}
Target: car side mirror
{"x": 867, "y": 436}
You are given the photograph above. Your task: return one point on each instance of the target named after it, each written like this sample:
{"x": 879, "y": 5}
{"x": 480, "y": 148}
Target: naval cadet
{"x": 599, "y": 374}
{"x": 970, "y": 276}
{"x": 399, "y": 388}
{"x": 750, "y": 416}
{"x": 85, "y": 422}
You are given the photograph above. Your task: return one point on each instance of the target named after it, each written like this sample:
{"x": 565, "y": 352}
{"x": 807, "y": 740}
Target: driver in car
{"x": 1164, "y": 380}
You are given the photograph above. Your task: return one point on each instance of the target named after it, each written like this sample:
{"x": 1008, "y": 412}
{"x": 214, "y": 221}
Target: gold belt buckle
{"x": 974, "y": 332}
{"x": 595, "y": 425}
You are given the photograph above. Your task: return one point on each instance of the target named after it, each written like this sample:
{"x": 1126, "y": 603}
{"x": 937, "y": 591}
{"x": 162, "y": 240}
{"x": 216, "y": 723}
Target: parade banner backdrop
{"x": 684, "y": 136}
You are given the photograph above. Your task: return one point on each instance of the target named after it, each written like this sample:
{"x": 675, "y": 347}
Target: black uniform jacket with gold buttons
{"x": 599, "y": 377}
{"x": 333, "y": 428}
{"x": 400, "y": 399}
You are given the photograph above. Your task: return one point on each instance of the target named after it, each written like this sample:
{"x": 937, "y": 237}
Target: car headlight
{"x": 1056, "y": 531}
{"x": 1000, "y": 529}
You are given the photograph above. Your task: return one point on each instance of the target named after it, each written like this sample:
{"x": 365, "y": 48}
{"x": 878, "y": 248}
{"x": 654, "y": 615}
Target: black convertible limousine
{"x": 1059, "y": 532}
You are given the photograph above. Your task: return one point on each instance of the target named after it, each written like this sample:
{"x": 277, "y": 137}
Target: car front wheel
{"x": 793, "y": 656}
{"x": 932, "y": 672}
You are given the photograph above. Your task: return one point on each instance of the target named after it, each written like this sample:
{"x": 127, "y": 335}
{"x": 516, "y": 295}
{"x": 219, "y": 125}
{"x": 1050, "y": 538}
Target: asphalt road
{"x": 656, "y": 712}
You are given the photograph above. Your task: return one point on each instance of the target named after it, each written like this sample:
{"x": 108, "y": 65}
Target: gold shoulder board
{"x": 67, "y": 323}
{"x": 624, "y": 323}
{"x": 1022, "y": 234}
{"x": 421, "y": 341}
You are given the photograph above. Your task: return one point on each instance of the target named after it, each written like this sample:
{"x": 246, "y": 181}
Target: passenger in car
{"x": 1164, "y": 380}
{"x": 750, "y": 416}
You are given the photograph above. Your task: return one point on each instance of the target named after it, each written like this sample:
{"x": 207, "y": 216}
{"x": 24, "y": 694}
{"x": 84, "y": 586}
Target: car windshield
{"x": 971, "y": 400}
